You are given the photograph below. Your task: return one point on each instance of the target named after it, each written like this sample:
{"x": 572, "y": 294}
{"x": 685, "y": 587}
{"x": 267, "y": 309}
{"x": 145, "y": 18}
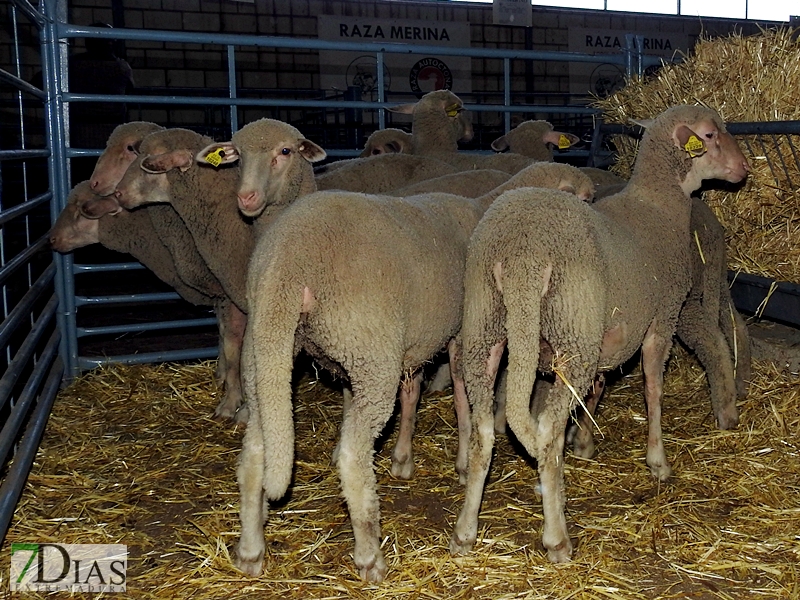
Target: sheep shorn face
{"x": 73, "y": 230}
{"x": 268, "y": 152}
{"x": 122, "y": 149}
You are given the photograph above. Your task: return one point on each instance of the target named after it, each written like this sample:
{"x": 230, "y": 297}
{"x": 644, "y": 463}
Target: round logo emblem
{"x": 428, "y": 75}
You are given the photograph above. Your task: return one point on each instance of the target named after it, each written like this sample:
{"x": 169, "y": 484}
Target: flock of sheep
{"x": 375, "y": 265}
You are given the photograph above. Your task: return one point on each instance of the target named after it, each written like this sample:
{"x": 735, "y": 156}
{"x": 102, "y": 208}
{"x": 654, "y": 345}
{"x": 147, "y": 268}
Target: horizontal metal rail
{"x": 17, "y": 474}
{"x": 23, "y": 356}
{"x": 23, "y": 308}
{"x": 126, "y": 298}
{"x": 10, "y": 430}
{"x": 23, "y": 154}
{"x": 139, "y": 327}
{"x": 23, "y": 209}
{"x": 23, "y": 258}
{"x": 129, "y": 266}
{"x": 21, "y": 84}
{"x": 85, "y": 362}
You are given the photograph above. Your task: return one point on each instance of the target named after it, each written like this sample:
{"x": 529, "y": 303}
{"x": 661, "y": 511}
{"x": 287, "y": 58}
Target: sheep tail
{"x": 523, "y": 326}
{"x": 273, "y": 321}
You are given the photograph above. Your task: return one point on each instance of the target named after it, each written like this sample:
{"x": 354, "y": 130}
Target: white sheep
{"x": 594, "y": 283}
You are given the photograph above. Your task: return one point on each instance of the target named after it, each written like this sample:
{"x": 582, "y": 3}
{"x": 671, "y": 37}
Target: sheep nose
{"x": 247, "y": 199}
{"x": 93, "y": 184}
{"x": 117, "y": 194}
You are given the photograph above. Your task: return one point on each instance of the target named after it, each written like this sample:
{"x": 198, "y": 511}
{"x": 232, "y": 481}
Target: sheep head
{"x": 387, "y": 141}
{"x": 122, "y": 149}
{"x": 275, "y": 163}
{"x": 534, "y": 139}
{"x": 161, "y": 155}
{"x": 695, "y": 145}
{"x": 439, "y": 121}
{"x": 73, "y": 230}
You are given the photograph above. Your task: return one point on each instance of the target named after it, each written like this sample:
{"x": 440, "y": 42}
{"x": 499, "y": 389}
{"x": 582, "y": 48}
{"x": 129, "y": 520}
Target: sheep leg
{"x": 702, "y": 333}
{"x": 583, "y": 440}
{"x": 252, "y": 503}
{"x": 362, "y": 424}
{"x": 232, "y": 323}
{"x": 500, "y": 402}
{"x": 655, "y": 350}
{"x": 347, "y": 402}
{"x": 550, "y": 420}
{"x": 403, "y": 454}
{"x": 461, "y": 403}
{"x": 480, "y": 452}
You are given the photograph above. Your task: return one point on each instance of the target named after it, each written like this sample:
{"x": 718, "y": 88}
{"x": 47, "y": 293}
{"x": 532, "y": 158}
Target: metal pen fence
{"x": 44, "y": 294}
{"x": 32, "y": 366}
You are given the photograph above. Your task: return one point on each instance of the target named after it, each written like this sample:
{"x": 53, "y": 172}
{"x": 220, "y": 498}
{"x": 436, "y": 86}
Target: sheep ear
{"x": 100, "y": 207}
{"x": 311, "y": 152}
{"x": 220, "y": 153}
{"x": 500, "y": 144}
{"x": 560, "y": 139}
{"x": 161, "y": 163}
{"x": 404, "y": 109}
{"x": 565, "y": 186}
{"x": 689, "y": 141}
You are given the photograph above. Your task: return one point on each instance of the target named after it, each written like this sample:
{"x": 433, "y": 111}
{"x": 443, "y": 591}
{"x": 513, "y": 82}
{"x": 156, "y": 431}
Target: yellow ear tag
{"x": 563, "y": 142}
{"x": 215, "y": 158}
{"x": 694, "y": 146}
{"x": 452, "y": 110}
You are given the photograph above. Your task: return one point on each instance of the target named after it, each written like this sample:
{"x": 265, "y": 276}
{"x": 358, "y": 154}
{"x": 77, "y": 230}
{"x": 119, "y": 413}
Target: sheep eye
{"x": 286, "y": 151}
{"x": 131, "y": 148}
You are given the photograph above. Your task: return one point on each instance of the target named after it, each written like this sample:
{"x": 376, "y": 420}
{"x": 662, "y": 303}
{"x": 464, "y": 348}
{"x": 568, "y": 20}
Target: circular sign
{"x": 428, "y": 75}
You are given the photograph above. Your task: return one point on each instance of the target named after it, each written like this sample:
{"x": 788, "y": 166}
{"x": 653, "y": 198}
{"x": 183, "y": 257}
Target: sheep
{"x": 122, "y": 148}
{"x": 534, "y": 139}
{"x": 375, "y": 309}
{"x": 133, "y": 233}
{"x": 592, "y": 282}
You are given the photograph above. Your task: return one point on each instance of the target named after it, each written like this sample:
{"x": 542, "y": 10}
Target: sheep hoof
{"x": 459, "y": 547}
{"x": 561, "y": 553}
{"x": 249, "y": 566}
{"x": 583, "y": 445}
{"x": 728, "y": 417}
{"x": 227, "y": 407}
{"x": 403, "y": 469}
{"x": 242, "y": 415}
{"x": 661, "y": 472}
{"x": 374, "y": 571}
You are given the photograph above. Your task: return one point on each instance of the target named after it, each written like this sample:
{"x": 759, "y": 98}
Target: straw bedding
{"x": 745, "y": 78}
{"x": 132, "y": 456}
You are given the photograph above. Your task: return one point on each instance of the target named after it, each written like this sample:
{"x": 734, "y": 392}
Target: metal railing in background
{"x": 32, "y": 369}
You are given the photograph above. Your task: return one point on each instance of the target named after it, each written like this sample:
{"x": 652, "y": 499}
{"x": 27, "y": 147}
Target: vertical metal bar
{"x": 54, "y": 73}
{"x": 232, "y": 88}
{"x": 507, "y": 91}
{"x": 381, "y": 93}
{"x": 630, "y": 43}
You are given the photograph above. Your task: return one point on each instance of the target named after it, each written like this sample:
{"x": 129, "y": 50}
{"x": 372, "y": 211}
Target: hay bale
{"x": 744, "y": 78}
